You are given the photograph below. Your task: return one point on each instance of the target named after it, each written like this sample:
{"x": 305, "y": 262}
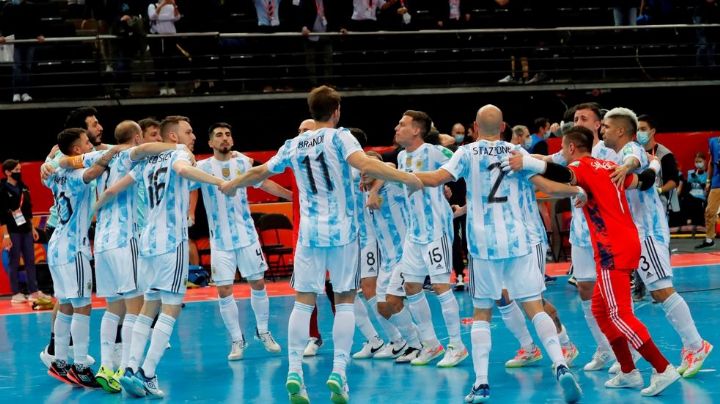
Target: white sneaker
{"x": 26, "y": 97}
{"x": 164, "y": 91}
{"x": 237, "y": 351}
{"x": 599, "y": 360}
{"x": 339, "y": 390}
{"x": 312, "y": 347}
{"x": 695, "y": 359}
{"x": 268, "y": 341}
{"x": 391, "y": 350}
{"x": 171, "y": 91}
{"x": 428, "y": 354}
{"x": 453, "y": 356}
{"x": 370, "y": 348}
{"x": 632, "y": 380}
{"x": 507, "y": 80}
{"x": 660, "y": 381}
{"x": 48, "y": 359}
{"x": 18, "y": 298}
{"x": 616, "y": 366}
{"x": 16, "y": 98}
{"x": 409, "y": 354}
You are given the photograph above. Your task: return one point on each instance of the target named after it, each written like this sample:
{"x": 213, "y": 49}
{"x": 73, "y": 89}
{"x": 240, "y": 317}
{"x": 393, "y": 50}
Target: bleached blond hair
{"x": 626, "y": 114}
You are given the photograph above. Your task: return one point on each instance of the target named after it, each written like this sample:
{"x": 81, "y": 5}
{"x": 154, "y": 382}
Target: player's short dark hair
{"x": 540, "y": 123}
{"x": 360, "y": 135}
{"x": 581, "y": 137}
{"x": 170, "y": 123}
{"x": 216, "y": 125}
{"x": 76, "y": 118}
{"x": 148, "y": 123}
{"x": 507, "y": 133}
{"x": 67, "y": 138}
{"x": 593, "y": 106}
{"x": 651, "y": 121}
{"x": 323, "y": 101}
{"x": 10, "y": 164}
{"x": 420, "y": 120}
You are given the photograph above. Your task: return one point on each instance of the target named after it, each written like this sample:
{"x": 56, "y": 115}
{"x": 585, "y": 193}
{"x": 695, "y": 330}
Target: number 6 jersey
{"x": 167, "y": 195}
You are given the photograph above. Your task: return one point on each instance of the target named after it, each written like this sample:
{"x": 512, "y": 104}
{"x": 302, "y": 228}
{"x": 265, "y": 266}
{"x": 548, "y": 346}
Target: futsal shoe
{"x": 409, "y": 355}
{"x": 632, "y": 380}
{"x": 313, "y": 346}
{"x": 427, "y": 355}
{"x": 268, "y": 341}
{"x": 83, "y": 376}
{"x": 391, "y": 350}
{"x": 149, "y": 384}
{"x": 570, "y": 387}
{"x": 478, "y": 394}
{"x": 570, "y": 352}
{"x": 616, "y": 366}
{"x": 523, "y": 357}
{"x": 296, "y": 389}
{"x": 59, "y": 370}
{"x": 660, "y": 381}
{"x": 599, "y": 360}
{"x": 48, "y": 359}
{"x": 127, "y": 381}
{"x": 339, "y": 391}
{"x": 237, "y": 351}
{"x": 453, "y": 356}
{"x": 106, "y": 379}
{"x": 684, "y": 361}
{"x": 695, "y": 359}
{"x": 369, "y": 348}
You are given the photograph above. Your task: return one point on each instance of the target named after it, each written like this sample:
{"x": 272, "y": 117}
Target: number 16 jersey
{"x": 167, "y": 195}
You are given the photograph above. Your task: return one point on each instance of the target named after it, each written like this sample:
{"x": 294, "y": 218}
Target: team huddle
{"x": 369, "y": 225}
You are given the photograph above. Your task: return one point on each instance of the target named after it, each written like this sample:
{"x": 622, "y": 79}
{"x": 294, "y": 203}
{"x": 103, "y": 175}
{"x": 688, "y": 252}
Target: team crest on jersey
{"x": 600, "y": 164}
{"x": 226, "y": 172}
{"x": 408, "y": 161}
{"x": 418, "y": 164}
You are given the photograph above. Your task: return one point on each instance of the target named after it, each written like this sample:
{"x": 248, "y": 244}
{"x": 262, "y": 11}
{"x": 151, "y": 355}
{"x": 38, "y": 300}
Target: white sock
{"x": 481, "y": 344}
{"x": 678, "y": 313}
{"x": 563, "y": 336}
{"x": 515, "y": 322}
{"x": 546, "y": 331}
{"x": 140, "y": 334}
{"x": 451, "y": 315}
{"x": 158, "y": 343}
{"x": 298, "y": 334}
{"x": 602, "y": 343}
{"x": 61, "y": 329}
{"x": 261, "y": 307}
{"x": 80, "y": 331}
{"x": 343, "y": 331}
{"x": 229, "y": 314}
{"x": 390, "y": 331}
{"x": 420, "y": 311}
{"x": 126, "y": 333}
{"x": 362, "y": 320}
{"x": 108, "y": 333}
{"x": 403, "y": 322}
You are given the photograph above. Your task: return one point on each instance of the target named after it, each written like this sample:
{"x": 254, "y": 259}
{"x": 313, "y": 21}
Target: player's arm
{"x": 377, "y": 169}
{"x": 154, "y": 148}
{"x": 273, "y": 188}
{"x": 252, "y": 176}
{"x": 435, "y": 178}
{"x": 630, "y": 164}
{"x": 184, "y": 169}
{"x": 516, "y": 161}
{"x": 646, "y": 179}
{"x": 102, "y": 163}
{"x": 112, "y": 191}
{"x": 560, "y": 190}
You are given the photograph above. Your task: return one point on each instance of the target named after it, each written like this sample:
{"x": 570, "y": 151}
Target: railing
{"x": 246, "y": 63}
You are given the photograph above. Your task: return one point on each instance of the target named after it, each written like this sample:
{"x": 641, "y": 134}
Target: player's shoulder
{"x": 441, "y": 151}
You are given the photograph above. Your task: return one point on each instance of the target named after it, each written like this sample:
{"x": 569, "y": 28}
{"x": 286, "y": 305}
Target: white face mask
{"x": 700, "y": 166}
{"x": 643, "y": 137}
{"x": 459, "y": 138}
{"x": 528, "y": 143}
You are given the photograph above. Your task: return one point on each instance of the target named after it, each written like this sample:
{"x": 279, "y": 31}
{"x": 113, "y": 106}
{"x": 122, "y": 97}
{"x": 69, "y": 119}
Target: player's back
{"x": 390, "y": 222}
{"x": 116, "y": 220}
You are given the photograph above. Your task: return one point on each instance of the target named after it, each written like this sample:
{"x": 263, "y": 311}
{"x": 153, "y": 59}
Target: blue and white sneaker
{"x": 478, "y": 394}
{"x": 296, "y": 389}
{"x": 339, "y": 391}
{"x": 127, "y": 381}
{"x": 149, "y": 384}
{"x": 570, "y": 387}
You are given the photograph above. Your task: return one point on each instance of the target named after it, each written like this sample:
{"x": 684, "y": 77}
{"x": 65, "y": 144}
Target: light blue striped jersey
{"x": 430, "y": 213}
{"x": 73, "y": 201}
{"x": 390, "y": 223}
{"x": 53, "y": 217}
{"x": 229, "y": 221}
{"x": 168, "y": 199}
{"x": 366, "y": 233}
{"x": 328, "y": 211}
{"x": 646, "y": 206}
{"x": 496, "y": 202}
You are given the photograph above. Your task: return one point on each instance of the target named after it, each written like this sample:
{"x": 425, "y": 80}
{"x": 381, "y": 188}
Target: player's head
{"x": 306, "y": 125}
{"x": 177, "y": 129}
{"x": 589, "y": 115}
{"x": 412, "y": 128}
{"x": 489, "y": 122}
{"x": 521, "y": 136}
{"x": 646, "y": 130}
{"x": 324, "y": 104}
{"x": 150, "y": 130}
{"x": 86, "y": 118}
{"x": 220, "y": 137}
{"x": 128, "y": 132}
{"x": 577, "y": 142}
{"x": 619, "y": 127}
{"x": 74, "y": 142}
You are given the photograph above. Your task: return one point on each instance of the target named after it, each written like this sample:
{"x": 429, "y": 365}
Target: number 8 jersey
{"x": 168, "y": 197}
{"x": 328, "y": 211}
{"x": 496, "y": 201}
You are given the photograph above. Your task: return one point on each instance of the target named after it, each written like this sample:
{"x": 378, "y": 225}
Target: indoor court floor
{"x": 195, "y": 368}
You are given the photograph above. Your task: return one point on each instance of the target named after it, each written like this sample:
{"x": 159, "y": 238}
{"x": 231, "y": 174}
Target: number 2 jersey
{"x": 328, "y": 205}
{"x": 167, "y": 195}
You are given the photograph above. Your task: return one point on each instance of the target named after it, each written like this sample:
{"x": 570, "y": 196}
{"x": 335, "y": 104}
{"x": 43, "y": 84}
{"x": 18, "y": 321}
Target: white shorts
{"x": 370, "y": 259}
{"x": 72, "y": 280}
{"x": 389, "y": 282}
{"x": 655, "y": 269}
{"x": 311, "y": 263}
{"x": 420, "y": 260}
{"x": 166, "y": 272}
{"x": 583, "y": 264}
{"x": 116, "y": 270}
{"x": 521, "y": 277}
{"x": 541, "y": 254}
{"x": 249, "y": 259}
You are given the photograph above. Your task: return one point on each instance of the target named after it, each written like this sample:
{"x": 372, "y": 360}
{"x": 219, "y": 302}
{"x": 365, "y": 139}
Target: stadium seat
{"x": 275, "y": 232}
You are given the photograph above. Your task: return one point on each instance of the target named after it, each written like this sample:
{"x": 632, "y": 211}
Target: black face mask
{"x": 16, "y": 176}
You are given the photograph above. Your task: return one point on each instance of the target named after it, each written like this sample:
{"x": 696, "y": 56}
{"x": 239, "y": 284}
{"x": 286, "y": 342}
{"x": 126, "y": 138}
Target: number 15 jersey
{"x": 328, "y": 211}
{"x": 496, "y": 201}
{"x": 167, "y": 195}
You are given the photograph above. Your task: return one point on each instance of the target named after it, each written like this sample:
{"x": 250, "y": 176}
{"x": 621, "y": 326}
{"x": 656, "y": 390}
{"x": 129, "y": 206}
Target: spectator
{"x": 521, "y": 136}
{"x": 452, "y": 14}
{"x": 542, "y": 131}
{"x": 667, "y": 180}
{"x": 162, "y": 21}
{"x": 21, "y": 20}
{"x": 693, "y": 192}
{"x": 364, "y": 15}
{"x": 18, "y": 231}
{"x": 712, "y": 187}
{"x": 319, "y": 16}
{"x": 458, "y": 133}
{"x": 624, "y": 12}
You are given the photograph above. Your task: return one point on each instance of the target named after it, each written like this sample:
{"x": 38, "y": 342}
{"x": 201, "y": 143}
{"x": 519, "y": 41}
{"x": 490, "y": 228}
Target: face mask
{"x": 528, "y": 143}
{"x": 459, "y": 138}
{"x": 16, "y": 176}
{"x": 700, "y": 166}
{"x": 643, "y": 138}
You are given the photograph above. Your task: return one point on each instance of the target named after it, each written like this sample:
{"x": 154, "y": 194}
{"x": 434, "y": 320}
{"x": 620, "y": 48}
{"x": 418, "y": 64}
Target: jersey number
{"x": 323, "y": 167}
{"x": 492, "y": 198}
{"x": 435, "y": 256}
{"x": 156, "y": 189}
